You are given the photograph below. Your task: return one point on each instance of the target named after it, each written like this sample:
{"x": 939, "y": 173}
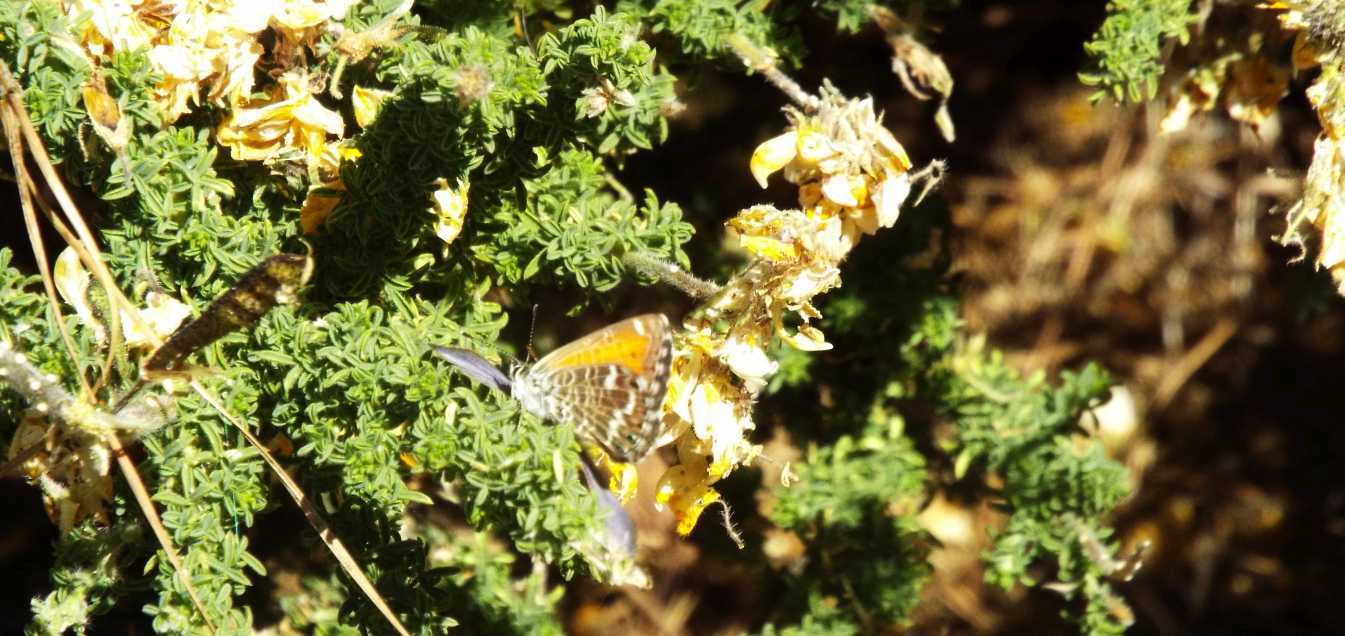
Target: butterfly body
{"x": 609, "y": 384}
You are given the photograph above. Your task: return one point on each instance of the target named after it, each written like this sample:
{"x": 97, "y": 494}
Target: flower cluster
{"x": 1244, "y": 79}
{"x": 1320, "y": 29}
{"x": 853, "y": 176}
{"x": 194, "y": 45}
{"x": 217, "y": 47}
{"x": 288, "y": 117}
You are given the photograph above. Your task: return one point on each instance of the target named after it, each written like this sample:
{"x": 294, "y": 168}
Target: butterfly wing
{"x": 621, "y": 533}
{"x": 611, "y": 383}
{"x": 607, "y": 406}
{"x": 637, "y": 343}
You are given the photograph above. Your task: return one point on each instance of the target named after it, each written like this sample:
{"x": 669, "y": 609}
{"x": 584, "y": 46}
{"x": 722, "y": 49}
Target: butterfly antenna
{"x": 532, "y": 330}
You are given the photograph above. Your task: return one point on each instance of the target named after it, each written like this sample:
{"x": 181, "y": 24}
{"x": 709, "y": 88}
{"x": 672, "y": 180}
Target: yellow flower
{"x": 294, "y": 16}
{"x": 767, "y": 247}
{"x": 184, "y": 64}
{"x": 852, "y": 179}
{"x": 322, "y": 199}
{"x": 773, "y": 155}
{"x": 333, "y": 155}
{"x": 807, "y": 338}
{"x": 888, "y": 144}
{"x": 814, "y": 147}
{"x": 105, "y": 115}
{"x": 298, "y": 24}
{"x": 844, "y": 190}
{"x": 892, "y": 192}
{"x": 318, "y": 204}
{"x": 289, "y": 118}
{"x": 713, "y": 419}
{"x": 625, "y": 479}
{"x": 748, "y": 361}
{"x": 810, "y": 281}
{"x": 450, "y": 209}
{"x": 366, "y": 102}
{"x": 687, "y": 494}
{"x": 110, "y": 26}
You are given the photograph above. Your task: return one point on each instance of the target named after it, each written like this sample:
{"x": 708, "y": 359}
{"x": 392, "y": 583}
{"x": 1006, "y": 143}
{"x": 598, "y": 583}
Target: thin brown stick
{"x": 762, "y": 61}
{"x": 311, "y": 513}
{"x": 142, "y": 497}
{"x": 114, "y": 339}
{"x": 35, "y": 237}
{"x": 13, "y": 94}
{"x": 66, "y": 412}
{"x": 15, "y": 120}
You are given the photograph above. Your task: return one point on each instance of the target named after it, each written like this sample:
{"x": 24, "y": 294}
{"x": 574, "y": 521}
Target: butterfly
{"x": 609, "y": 384}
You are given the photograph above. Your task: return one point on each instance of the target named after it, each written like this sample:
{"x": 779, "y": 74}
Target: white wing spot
{"x": 615, "y": 424}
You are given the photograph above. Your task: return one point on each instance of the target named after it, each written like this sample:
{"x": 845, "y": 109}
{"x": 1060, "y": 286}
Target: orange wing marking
{"x": 625, "y": 348}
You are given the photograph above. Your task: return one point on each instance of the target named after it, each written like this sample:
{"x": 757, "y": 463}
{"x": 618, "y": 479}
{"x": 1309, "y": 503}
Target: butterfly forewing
{"x": 610, "y": 384}
{"x": 635, "y": 343}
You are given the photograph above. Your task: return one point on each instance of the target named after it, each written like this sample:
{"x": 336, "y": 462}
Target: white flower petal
{"x": 72, "y": 283}
{"x": 836, "y": 189}
{"x": 748, "y": 362}
{"x": 891, "y": 193}
{"x": 162, "y": 315}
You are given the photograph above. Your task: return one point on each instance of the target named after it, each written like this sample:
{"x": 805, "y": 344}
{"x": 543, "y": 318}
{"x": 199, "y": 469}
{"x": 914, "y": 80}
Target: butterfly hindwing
{"x": 609, "y": 406}
{"x": 610, "y": 384}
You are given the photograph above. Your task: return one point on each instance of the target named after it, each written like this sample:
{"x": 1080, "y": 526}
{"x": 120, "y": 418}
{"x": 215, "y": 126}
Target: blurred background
{"x": 1077, "y": 232}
